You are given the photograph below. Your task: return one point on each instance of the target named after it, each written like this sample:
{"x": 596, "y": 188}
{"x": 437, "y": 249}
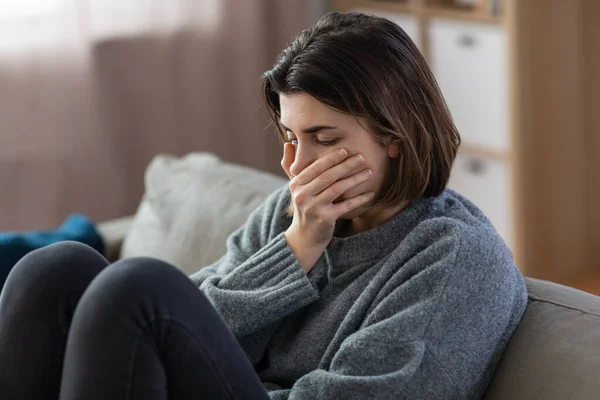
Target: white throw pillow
{"x": 190, "y": 207}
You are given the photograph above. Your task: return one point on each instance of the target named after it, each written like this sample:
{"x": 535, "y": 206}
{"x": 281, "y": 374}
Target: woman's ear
{"x": 392, "y": 150}
{"x": 391, "y": 146}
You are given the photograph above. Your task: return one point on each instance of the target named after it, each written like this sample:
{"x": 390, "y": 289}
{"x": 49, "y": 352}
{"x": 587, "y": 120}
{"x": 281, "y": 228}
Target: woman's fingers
{"x": 326, "y": 179}
{"x": 329, "y": 179}
{"x": 350, "y": 204}
{"x": 341, "y": 186}
{"x": 289, "y": 153}
{"x": 315, "y": 169}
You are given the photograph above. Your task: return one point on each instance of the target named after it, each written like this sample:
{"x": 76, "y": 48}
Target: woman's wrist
{"x": 306, "y": 254}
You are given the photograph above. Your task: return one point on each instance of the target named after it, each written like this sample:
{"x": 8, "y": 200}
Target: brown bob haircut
{"x": 368, "y": 67}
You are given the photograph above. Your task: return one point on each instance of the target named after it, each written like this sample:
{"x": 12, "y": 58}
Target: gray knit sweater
{"x": 421, "y": 307}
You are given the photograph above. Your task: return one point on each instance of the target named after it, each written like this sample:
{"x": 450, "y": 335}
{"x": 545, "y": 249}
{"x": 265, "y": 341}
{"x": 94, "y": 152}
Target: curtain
{"x": 91, "y": 90}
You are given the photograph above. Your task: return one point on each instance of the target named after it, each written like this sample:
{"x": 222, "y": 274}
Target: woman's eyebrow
{"x": 312, "y": 129}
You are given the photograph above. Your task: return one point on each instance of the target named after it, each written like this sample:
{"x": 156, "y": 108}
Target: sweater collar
{"x": 373, "y": 245}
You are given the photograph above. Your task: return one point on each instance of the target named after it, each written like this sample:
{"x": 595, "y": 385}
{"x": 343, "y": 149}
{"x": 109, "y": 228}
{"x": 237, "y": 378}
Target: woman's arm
{"x": 258, "y": 281}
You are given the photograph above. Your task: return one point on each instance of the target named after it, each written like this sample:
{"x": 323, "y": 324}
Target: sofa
{"x": 192, "y": 203}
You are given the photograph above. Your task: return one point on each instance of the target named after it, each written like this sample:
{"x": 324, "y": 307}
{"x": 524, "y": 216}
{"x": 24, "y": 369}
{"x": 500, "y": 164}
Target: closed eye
{"x": 326, "y": 142}
{"x": 318, "y": 142}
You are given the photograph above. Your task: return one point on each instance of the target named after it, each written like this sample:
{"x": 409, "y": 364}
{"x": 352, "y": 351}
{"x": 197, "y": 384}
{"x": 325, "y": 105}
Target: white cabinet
{"x": 469, "y": 62}
{"x": 407, "y": 22}
{"x": 487, "y": 183}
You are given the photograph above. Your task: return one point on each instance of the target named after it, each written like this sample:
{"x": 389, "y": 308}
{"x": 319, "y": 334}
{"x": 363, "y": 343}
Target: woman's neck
{"x": 371, "y": 219}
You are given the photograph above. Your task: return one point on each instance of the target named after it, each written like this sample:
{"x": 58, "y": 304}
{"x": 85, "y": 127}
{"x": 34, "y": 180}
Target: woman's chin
{"x": 357, "y": 212}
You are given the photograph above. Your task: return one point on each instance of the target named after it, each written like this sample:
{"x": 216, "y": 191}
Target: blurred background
{"x": 91, "y": 90}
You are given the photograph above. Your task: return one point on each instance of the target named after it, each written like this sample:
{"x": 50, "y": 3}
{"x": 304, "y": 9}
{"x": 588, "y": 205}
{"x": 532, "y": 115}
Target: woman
{"x": 364, "y": 278}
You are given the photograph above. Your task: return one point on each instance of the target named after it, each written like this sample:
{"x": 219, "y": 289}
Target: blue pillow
{"x": 15, "y": 245}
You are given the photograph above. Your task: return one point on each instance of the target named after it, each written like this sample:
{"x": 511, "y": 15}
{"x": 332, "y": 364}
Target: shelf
{"x": 379, "y": 5}
{"x": 418, "y": 9}
{"x": 459, "y": 14}
{"x": 475, "y": 150}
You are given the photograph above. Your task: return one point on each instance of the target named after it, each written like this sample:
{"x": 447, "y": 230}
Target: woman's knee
{"x": 60, "y": 264}
{"x": 133, "y": 285}
{"x": 140, "y": 276}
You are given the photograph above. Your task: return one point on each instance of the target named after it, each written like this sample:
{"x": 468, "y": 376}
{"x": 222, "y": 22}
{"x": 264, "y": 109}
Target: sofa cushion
{"x": 190, "y": 206}
{"x": 555, "y": 351}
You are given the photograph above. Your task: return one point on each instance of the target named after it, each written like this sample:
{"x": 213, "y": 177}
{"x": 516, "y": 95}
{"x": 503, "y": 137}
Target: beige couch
{"x": 191, "y": 204}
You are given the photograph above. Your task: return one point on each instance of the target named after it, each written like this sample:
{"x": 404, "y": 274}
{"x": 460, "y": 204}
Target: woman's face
{"x": 317, "y": 130}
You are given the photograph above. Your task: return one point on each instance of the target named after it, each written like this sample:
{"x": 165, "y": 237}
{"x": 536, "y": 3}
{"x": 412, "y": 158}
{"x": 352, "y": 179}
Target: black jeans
{"x": 74, "y": 327}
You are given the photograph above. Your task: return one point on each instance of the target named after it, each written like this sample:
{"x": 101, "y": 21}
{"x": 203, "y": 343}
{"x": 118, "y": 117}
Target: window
{"x": 14, "y": 9}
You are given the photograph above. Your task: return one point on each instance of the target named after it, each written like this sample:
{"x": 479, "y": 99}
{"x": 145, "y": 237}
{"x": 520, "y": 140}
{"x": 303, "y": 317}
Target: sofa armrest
{"x": 113, "y": 234}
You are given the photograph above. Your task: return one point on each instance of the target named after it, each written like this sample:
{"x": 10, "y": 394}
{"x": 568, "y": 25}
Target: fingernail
{"x": 342, "y": 153}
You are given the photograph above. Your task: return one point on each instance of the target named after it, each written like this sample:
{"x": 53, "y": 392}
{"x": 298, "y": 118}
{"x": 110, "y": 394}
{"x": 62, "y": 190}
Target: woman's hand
{"x": 313, "y": 193}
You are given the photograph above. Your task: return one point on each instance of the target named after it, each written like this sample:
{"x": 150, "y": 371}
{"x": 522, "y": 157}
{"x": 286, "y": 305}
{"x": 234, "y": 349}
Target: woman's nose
{"x": 302, "y": 160}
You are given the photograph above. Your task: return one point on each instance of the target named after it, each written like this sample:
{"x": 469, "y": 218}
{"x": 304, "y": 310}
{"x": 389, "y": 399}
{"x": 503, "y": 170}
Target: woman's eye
{"x": 326, "y": 142}
{"x": 318, "y": 142}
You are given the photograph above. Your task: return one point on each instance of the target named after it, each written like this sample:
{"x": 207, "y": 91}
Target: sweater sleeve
{"x": 258, "y": 281}
{"x": 434, "y": 332}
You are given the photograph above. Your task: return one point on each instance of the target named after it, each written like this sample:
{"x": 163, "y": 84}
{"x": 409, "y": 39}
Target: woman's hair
{"x": 368, "y": 67}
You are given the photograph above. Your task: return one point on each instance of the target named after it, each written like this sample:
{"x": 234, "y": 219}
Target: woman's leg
{"x": 143, "y": 330}
{"x": 36, "y": 307}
